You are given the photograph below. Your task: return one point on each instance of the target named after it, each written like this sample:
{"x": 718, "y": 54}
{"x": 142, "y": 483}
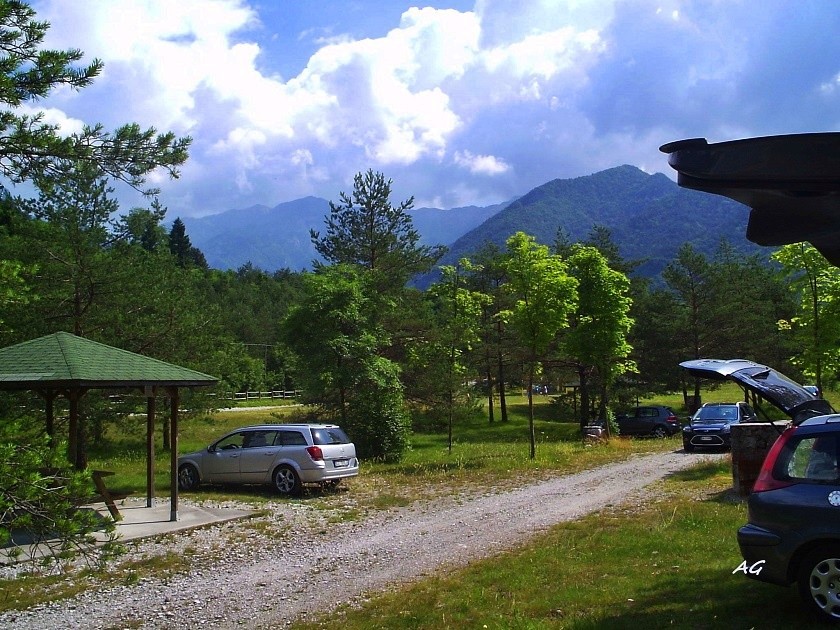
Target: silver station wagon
{"x": 283, "y": 455}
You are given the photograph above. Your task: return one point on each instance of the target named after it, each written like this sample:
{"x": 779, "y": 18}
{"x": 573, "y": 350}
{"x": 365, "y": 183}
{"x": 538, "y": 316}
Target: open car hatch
{"x": 773, "y": 386}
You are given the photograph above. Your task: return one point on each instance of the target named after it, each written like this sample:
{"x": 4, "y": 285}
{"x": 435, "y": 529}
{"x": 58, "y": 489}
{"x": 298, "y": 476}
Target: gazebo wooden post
{"x": 73, "y": 438}
{"x": 173, "y": 454}
{"x": 150, "y": 446}
{"x": 49, "y": 396}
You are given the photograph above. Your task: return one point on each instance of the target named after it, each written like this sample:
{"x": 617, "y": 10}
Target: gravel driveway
{"x": 249, "y": 581}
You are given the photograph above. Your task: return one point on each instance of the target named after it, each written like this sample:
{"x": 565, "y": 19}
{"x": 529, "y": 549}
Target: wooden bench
{"x": 108, "y": 496}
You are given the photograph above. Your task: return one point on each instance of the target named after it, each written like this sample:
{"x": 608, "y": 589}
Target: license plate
{"x": 341, "y": 463}
{"x": 706, "y": 439}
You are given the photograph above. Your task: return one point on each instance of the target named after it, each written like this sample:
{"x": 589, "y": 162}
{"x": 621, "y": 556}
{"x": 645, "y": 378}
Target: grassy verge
{"x": 667, "y": 564}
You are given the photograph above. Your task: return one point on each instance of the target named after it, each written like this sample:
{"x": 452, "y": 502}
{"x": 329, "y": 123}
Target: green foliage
{"x": 377, "y": 419}
{"x": 31, "y": 149}
{"x": 336, "y": 339}
{"x": 40, "y": 494}
{"x": 364, "y": 229}
{"x": 597, "y": 337}
{"x": 544, "y": 292}
{"x": 544, "y": 296}
{"x": 442, "y": 359}
{"x": 816, "y": 324}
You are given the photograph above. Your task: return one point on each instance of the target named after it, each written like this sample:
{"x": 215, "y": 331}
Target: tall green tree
{"x": 75, "y": 205}
{"x": 186, "y": 255}
{"x": 598, "y": 330}
{"x": 689, "y": 276}
{"x": 457, "y": 320}
{"x": 816, "y": 325}
{"x": 488, "y": 277}
{"x": 338, "y": 344}
{"x": 545, "y": 295}
{"x": 366, "y": 230}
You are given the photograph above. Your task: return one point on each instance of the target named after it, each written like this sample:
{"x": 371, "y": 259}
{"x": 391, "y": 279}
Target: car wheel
{"x": 819, "y": 581}
{"x": 188, "y": 478}
{"x": 689, "y": 448}
{"x": 286, "y": 481}
{"x": 659, "y": 432}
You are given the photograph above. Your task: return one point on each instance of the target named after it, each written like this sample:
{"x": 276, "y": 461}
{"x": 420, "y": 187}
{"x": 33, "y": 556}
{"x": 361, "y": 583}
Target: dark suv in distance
{"x": 711, "y": 425}
{"x": 654, "y": 420}
{"x": 793, "y": 529}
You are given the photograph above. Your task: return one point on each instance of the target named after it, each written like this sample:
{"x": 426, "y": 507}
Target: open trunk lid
{"x": 773, "y": 386}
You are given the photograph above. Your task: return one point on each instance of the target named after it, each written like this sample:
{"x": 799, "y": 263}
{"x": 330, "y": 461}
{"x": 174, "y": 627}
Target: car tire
{"x": 819, "y": 582}
{"x": 188, "y": 478}
{"x": 689, "y": 448}
{"x": 286, "y": 481}
{"x": 659, "y": 433}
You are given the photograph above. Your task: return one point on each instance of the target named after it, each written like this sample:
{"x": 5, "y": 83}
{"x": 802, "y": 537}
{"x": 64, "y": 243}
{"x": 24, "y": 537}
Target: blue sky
{"x": 460, "y": 103}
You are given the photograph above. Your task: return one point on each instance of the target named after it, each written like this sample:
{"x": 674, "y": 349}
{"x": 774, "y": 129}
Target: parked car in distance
{"x": 285, "y": 456}
{"x": 654, "y": 420}
{"x": 711, "y": 425}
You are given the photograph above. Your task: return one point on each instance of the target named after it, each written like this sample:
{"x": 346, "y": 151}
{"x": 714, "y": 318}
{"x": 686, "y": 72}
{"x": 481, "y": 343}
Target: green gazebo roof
{"x": 65, "y": 360}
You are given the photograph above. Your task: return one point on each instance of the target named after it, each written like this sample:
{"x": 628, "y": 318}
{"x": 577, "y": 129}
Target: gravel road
{"x": 245, "y": 580}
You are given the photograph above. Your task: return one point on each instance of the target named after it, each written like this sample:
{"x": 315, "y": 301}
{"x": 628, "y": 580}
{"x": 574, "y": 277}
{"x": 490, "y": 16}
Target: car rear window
{"x": 329, "y": 435}
{"x": 811, "y": 458}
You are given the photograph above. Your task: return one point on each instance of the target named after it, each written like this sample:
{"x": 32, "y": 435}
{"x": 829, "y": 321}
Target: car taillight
{"x": 672, "y": 419}
{"x": 315, "y": 453}
{"x": 765, "y": 480}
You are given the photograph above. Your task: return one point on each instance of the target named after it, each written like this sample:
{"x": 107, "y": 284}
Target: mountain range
{"x": 649, "y": 217}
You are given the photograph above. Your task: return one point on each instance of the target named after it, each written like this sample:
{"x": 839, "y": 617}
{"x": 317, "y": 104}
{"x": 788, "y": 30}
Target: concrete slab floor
{"x": 139, "y": 521}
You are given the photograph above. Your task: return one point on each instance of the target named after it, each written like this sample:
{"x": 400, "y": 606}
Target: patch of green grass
{"x": 667, "y": 564}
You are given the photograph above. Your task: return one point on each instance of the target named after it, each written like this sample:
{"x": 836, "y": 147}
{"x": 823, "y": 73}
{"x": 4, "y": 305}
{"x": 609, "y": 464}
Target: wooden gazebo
{"x": 63, "y": 364}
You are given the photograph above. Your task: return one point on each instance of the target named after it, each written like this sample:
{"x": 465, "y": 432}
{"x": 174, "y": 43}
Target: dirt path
{"x": 306, "y": 571}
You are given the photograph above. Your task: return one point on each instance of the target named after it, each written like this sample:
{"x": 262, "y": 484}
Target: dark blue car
{"x": 793, "y": 533}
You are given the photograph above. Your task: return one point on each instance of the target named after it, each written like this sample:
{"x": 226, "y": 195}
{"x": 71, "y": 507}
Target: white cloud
{"x": 481, "y": 164}
{"x": 557, "y": 87}
{"x": 55, "y": 117}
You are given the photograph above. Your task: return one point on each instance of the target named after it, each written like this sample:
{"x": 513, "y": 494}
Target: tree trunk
{"x": 490, "y": 399}
{"x": 502, "y": 399}
{"x": 531, "y": 433}
{"x": 584, "y": 396}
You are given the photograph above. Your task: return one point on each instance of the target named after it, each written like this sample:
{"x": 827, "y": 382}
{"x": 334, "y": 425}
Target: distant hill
{"x": 278, "y": 238}
{"x": 649, "y": 217}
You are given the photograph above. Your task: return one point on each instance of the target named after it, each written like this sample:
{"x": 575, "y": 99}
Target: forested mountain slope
{"x": 278, "y": 238}
{"x": 649, "y": 217}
